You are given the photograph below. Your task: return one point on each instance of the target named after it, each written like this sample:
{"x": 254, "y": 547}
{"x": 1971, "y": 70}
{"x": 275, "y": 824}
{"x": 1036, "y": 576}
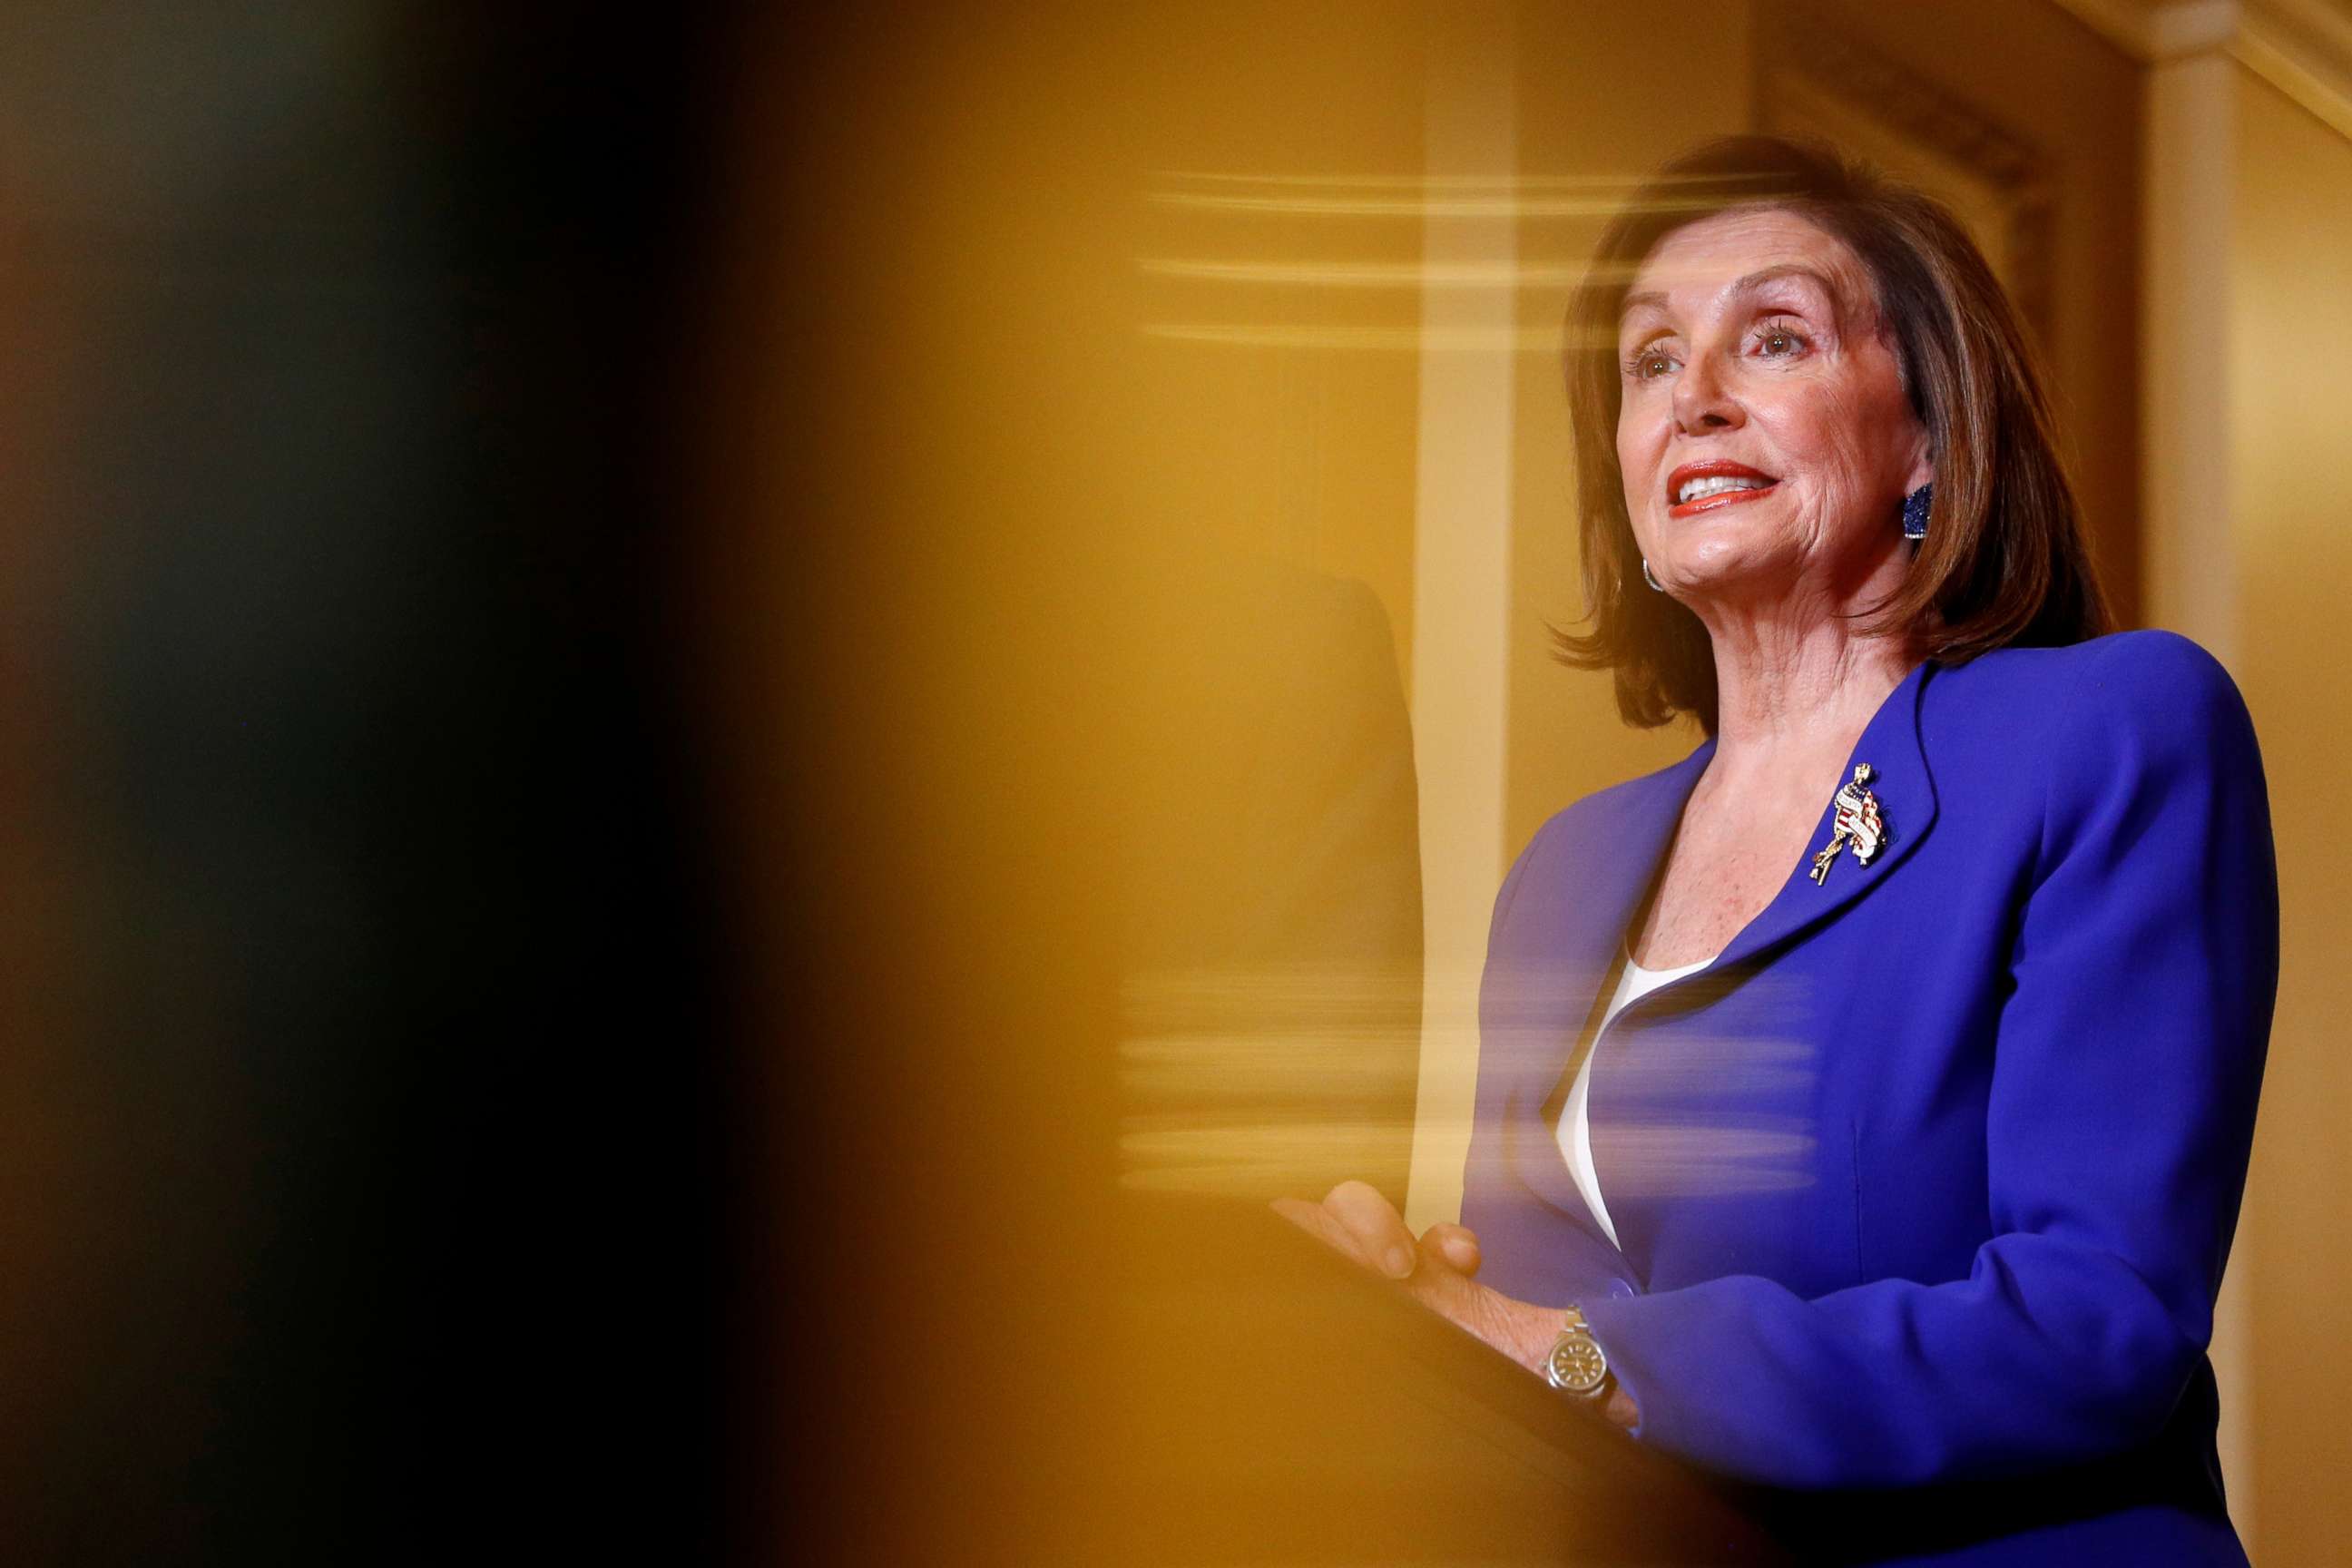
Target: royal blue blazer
{"x": 1928, "y": 1182}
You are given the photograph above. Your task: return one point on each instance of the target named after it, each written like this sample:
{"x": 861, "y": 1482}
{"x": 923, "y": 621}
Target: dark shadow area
{"x": 363, "y": 1077}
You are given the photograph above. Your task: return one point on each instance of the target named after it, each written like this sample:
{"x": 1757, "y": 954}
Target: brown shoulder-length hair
{"x": 2004, "y": 560}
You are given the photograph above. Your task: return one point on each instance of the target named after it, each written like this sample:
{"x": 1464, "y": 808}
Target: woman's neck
{"x": 1786, "y": 694}
{"x": 1794, "y": 678}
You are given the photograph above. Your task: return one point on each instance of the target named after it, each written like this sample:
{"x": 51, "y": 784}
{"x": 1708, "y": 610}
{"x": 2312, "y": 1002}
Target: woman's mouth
{"x": 1696, "y": 488}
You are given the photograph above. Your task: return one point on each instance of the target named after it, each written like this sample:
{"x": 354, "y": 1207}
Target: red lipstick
{"x": 1715, "y": 468}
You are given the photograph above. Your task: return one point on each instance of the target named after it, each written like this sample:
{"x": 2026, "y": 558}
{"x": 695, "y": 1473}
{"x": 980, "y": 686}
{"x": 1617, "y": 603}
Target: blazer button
{"x": 1620, "y": 1290}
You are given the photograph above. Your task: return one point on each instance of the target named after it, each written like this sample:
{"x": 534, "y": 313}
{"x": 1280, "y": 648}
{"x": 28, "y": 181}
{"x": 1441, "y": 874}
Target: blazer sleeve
{"x": 2121, "y": 1114}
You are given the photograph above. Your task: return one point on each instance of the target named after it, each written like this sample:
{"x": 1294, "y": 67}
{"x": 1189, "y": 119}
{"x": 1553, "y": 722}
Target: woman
{"x": 1931, "y": 992}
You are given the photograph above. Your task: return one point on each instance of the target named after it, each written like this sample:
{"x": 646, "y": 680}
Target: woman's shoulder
{"x": 2146, "y": 655}
{"x": 2140, "y": 704}
{"x": 2135, "y": 680}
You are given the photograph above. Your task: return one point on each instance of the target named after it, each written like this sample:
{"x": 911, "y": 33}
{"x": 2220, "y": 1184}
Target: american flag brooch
{"x": 1855, "y": 824}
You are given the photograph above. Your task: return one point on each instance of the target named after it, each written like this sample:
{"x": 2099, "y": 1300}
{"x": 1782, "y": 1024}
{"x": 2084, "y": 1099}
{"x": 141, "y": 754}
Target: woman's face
{"x": 1764, "y": 434}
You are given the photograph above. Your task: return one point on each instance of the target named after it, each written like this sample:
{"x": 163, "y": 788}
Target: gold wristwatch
{"x": 1576, "y": 1364}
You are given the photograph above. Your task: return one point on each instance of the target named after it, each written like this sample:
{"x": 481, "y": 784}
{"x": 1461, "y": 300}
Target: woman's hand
{"x": 1357, "y": 1222}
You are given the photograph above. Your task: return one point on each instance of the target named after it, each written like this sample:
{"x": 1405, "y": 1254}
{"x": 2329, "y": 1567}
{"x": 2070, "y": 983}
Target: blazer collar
{"x": 1627, "y": 846}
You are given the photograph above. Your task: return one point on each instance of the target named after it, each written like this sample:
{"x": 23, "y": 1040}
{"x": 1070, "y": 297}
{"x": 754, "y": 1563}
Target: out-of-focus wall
{"x": 1274, "y": 232}
{"x": 2289, "y": 322}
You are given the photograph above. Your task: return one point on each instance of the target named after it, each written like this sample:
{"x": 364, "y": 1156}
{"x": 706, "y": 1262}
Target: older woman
{"x": 1864, "y": 1101}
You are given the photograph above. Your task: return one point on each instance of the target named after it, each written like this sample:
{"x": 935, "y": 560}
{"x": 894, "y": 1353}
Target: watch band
{"x": 1577, "y": 1365}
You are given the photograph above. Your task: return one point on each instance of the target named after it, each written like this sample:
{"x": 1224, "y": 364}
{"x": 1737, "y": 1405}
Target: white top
{"x": 1575, "y": 1130}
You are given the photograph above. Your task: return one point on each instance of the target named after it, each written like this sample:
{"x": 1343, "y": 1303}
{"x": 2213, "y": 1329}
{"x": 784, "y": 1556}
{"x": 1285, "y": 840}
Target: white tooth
{"x": 1716, "y": 484}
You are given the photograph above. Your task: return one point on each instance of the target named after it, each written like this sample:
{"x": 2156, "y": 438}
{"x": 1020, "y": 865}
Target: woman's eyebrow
{"x": 1762, "y": 275}
{"x": 1655, "y": 300}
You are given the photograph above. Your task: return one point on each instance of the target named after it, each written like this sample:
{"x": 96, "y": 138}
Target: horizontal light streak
{"x": 1370, "y": 274}
{"x": 1547, "y": 340}
{"x": 1418, "y": 181}
{"x": 1252, "y": 1159}
{"x": 1447, "y": 181}
{"x": 1597, "y": 206}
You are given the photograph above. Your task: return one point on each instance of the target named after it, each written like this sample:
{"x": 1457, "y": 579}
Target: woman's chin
{"x": 1731, "y": 578}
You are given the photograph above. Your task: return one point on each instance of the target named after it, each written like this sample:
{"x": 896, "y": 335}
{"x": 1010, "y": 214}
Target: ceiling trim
{"x": 2152, "y": 30}
{"x": 2302, "y": 47}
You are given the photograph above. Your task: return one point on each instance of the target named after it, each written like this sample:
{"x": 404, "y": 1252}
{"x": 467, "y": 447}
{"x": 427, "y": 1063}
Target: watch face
{"x": 1577, "y": 1365}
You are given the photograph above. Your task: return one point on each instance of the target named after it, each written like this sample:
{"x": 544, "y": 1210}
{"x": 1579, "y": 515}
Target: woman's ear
{"x": 1923, "y": 464}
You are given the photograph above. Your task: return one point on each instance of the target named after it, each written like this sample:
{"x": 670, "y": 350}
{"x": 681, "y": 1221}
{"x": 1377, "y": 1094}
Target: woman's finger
{"x": 1316, "y": 1222}
{"x": 1456, "y": 1246}
{"x": 1382, "y": 1239}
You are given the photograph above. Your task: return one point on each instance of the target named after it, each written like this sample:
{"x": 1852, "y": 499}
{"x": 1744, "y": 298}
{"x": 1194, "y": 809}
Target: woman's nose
{"x": 1702, "y": 401}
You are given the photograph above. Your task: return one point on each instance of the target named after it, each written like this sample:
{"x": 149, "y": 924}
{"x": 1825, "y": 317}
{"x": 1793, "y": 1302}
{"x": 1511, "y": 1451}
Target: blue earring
{"x": 1915, "y": 512}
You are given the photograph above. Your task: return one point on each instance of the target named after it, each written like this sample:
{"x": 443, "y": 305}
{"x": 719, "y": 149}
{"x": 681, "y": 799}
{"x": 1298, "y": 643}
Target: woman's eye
{"x": 1779, "y": 341}
{"x": 1651, "y": 362}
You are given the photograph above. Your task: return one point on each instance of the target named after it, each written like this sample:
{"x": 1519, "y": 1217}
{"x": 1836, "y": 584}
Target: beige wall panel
{"x": 2289, "y": 321}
